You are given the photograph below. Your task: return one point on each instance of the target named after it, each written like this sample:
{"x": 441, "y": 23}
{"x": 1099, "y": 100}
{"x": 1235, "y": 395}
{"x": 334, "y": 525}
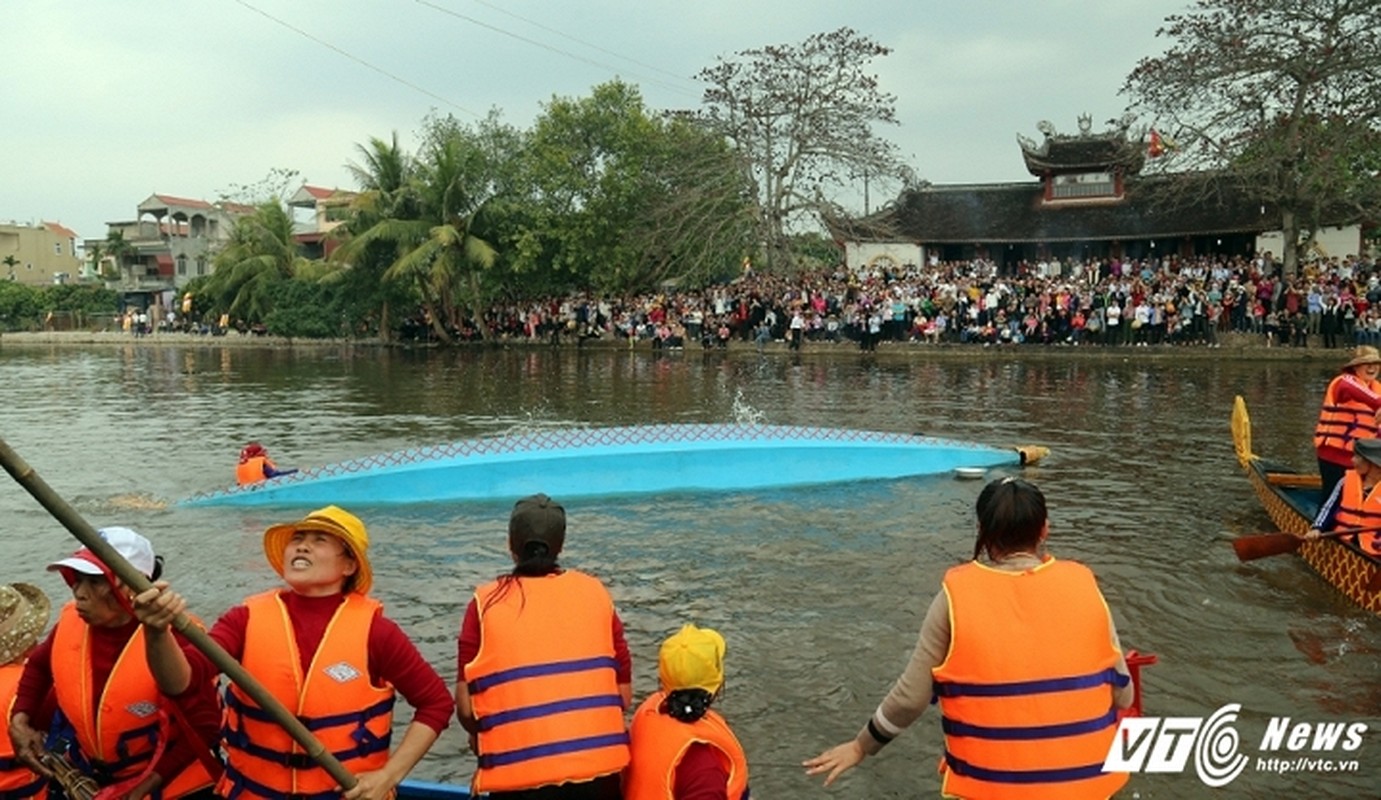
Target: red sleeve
{"x": 200, "y": 711}
{"x": 624, "y": 671}
{"x": 229, "y": 633}
{"x": 394, "y": 658}
{"x": 35, "y": 690}
{"x": 1355, "y": 389}
{"x": 701, "y": 775}
{"x": 468, "y": 646}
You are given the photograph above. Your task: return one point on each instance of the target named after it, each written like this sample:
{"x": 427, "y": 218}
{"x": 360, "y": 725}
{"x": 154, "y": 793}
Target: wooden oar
{"x": 25, "y": 476}
{"x": 1260, "y": 545}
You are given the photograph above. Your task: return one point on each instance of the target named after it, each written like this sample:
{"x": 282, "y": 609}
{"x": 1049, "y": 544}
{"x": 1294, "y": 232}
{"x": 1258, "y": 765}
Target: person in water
{"x": 256, "y": 466}
{"x": 1022, "y": 717}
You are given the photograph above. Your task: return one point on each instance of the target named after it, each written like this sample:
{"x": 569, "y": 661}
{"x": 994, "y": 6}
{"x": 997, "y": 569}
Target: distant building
{"x": 171, "y": 242}
{"x": 38, "y": 255}
{"x": 329, "y": 208}
{"x": 1089, "y": 202}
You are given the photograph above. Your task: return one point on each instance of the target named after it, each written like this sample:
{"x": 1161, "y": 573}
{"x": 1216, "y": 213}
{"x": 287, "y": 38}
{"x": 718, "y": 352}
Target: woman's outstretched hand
{"x": 836, "y": 761}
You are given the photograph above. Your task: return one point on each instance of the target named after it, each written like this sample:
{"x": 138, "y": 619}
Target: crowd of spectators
{"x": 1111, "y": 302}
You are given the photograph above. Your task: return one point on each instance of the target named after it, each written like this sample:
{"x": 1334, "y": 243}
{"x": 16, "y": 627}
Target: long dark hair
{"x": 535, "y": 560}
{"x": 1011, "y": 516}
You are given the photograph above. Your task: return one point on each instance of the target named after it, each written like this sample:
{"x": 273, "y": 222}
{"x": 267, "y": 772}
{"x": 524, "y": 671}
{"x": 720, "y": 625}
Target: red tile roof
{"x": 181, "y": 201}
{"x": 60, "y": 229}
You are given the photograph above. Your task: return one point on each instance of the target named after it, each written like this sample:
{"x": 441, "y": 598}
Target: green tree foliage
{"x": 24, "y": 307}
{"x": 21, "y": 306}
{"x": 84, "y": 298}
{"x": 420, "y": 228}
{"x": 309, "y": 310}
{"x": 802, "y": 119}
{"x": 259, "y": 258}
{"x": 1281, "y": 100}
{"x": 118, "y": 248}
{"x": 621, "y": 199}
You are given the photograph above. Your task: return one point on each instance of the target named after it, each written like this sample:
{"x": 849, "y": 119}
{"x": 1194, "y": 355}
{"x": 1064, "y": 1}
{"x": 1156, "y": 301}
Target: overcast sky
{"x": 105, "y": 102}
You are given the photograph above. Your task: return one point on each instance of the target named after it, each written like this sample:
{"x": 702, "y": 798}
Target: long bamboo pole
{"x": 25, "y": 476}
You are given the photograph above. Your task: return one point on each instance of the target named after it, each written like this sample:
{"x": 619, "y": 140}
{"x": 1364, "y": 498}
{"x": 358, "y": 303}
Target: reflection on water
{"x": 819, "y": 592}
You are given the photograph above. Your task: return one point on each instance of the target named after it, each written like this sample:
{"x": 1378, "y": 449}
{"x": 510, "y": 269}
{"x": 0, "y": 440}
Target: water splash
{"x": 745, "y": 414}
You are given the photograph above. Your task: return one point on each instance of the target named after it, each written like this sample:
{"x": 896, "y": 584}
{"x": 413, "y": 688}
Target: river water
{"x": 818, "y": 591}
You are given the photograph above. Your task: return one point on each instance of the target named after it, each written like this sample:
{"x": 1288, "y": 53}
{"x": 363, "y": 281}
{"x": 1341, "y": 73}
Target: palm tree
{"x": 259, "y": 257}
{"x": 94, "y": 252}
{"x": 449, "y": 260}
{"x": 385, "y": 181}
{"x": 420, "y": 215}
{"x": 11, "y": 262}
{"x": 117, "y": 247}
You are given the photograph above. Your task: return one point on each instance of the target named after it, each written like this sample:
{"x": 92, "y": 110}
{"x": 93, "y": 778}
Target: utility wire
{"x": 590, "y": 45}
{"x": 358, "y": 60}
{"x": 542, "y": 45}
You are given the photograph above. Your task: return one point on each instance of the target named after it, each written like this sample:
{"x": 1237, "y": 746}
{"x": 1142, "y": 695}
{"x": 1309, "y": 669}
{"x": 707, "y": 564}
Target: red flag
{"x": 1155, "y": 149}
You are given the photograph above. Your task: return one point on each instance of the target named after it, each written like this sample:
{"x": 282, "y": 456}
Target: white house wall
{"x": 870, "y": 256}
{"x": 1328, "y": 243}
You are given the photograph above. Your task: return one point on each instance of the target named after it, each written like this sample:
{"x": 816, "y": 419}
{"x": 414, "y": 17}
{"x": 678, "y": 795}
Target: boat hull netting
{"x": 595, "y": 462}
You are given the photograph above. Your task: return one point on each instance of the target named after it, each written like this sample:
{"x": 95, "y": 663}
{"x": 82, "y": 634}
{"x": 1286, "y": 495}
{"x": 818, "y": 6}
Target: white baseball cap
{"x": 137, "y": 550}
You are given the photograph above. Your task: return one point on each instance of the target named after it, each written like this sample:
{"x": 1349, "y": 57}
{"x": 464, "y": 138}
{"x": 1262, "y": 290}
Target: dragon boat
{"x": 1292, "y": 498}
{"x": 601, "y": 462}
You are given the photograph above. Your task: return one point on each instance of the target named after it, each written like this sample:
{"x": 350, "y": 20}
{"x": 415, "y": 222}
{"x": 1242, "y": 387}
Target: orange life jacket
{"x": 251, "y": 470}
{"x": 119, "y": 731}
{"x": 1025, "y": 690}
{"x": 1342, "y": 422}
{"x": 335, "y": 700}
{"x": 16, "y": 780}
{"x": 659, "y": 742}
{"x": 543, "y": 685}
{"x": 1357, "y": 511}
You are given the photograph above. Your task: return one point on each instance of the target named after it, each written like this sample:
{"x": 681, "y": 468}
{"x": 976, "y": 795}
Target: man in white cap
{"x": 121, "y": 730}
{"x": 24, "y": 613}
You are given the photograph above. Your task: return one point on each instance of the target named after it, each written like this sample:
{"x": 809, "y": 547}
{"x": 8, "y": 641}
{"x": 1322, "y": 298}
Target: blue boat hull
{"x": 600, "y": 462}
{"x": 424, "y": 790}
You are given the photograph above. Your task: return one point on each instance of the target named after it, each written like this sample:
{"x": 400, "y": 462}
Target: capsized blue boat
{"x": 602, "y": 462}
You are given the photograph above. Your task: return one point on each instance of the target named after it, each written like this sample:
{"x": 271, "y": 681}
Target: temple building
{"x": 1089, "y": 201}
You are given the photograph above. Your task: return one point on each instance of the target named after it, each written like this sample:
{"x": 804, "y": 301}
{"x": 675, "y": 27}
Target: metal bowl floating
{"x": 969, "y": 473}
{"x": 601, "y": 462}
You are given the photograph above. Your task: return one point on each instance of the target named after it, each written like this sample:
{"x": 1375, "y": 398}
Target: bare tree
{"x": 1279, "y": 99}
{"x": 802, "y": 119}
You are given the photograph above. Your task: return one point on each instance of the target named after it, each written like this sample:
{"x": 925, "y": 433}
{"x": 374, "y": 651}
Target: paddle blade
{"x": 1261, "y": 545}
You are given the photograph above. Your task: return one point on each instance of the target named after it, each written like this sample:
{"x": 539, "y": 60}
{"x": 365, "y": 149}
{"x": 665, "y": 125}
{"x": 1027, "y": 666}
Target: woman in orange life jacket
{"x": 544, "y": 672}
{"x": 24, "y": 614}
{"x": 326, "y": 651}
{"x": 1022, "y": 719}
{"x": 121, "y": 730}
{"x": 1351, "y": 404}
{"x": 682, "y": 749}
{"x": 1355, "y": 501}
{"x": 256, "y": 466}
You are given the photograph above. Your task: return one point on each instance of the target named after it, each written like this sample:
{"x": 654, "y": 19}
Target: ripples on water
{"x": 819, "y": 591}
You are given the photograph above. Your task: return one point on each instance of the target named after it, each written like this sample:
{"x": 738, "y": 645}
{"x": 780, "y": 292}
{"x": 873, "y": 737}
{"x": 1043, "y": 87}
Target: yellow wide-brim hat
{"x": 333, "y": 520}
